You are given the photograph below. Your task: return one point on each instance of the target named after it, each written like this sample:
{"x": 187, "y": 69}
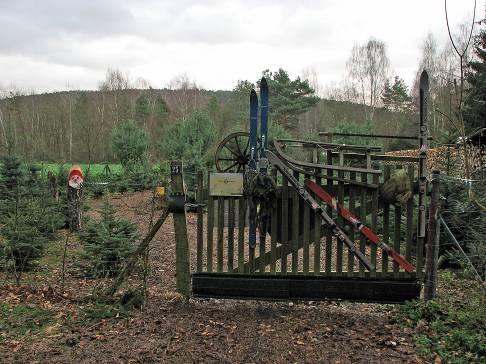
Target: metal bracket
{"x": 176, "y": 203}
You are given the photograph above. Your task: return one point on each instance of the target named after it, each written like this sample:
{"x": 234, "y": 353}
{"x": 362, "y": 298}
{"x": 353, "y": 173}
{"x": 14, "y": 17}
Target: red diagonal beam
{"x": 363, "y": 229}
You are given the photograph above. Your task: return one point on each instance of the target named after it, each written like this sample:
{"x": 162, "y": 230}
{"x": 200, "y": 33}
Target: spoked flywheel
{"x": 233, "y": 153}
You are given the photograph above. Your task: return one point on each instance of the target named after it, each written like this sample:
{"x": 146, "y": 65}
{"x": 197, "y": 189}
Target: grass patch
{"x": 95, "y": 169}
{"x": 130, "y": 300}
{"x": 20, "y": 320}
{"x": 453, "y": 325}
{"x": 102, "y": 311}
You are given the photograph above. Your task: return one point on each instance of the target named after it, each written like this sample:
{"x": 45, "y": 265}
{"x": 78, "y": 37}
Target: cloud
{"x": 217, "y": 42}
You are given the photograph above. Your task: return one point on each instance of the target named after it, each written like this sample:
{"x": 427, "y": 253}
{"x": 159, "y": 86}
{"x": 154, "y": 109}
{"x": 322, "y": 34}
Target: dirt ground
{"x": 170, "y": 330}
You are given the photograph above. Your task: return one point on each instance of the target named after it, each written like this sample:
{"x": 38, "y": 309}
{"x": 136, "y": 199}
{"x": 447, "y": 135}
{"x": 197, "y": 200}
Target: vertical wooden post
{"x": 74, "y": 193}
{"x": 422, "y": 173}
{"x": 432, "y": 253}
{"x": 183, "y": 279}
{"x": 200, "y": 219}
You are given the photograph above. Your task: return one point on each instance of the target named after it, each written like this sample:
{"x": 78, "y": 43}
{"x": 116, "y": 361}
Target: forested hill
{"x": 77, "y": 125}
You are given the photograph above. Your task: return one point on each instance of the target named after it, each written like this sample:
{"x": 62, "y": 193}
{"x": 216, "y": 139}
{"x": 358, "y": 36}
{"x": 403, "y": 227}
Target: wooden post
{"x": 74, "y": 193}
{"x": 422, "y": 172}
{"x": 432, "y": 253}
{"x": 183, "y": 278}
{"x": 200, "y": 219}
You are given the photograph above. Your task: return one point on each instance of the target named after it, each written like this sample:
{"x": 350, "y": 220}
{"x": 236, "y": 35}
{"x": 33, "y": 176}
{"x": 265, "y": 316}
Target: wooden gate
{"x": 300, "y": 259}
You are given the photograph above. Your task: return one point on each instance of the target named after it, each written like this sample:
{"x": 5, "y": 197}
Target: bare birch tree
{"x": 368, "y": 68}
{"x": 185, "y": 95}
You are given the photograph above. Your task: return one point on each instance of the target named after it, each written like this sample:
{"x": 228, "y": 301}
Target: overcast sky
{"x": 53, "y": 45}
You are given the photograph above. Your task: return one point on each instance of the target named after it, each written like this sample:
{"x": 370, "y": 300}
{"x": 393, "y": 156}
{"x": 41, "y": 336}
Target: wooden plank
{"x": 220, "y": 239}
{"x": 374, "y": 136}
{"x": 328, "y": 265}
{"x": 295, "y": 228}
{"x": 200, "y": 222}
{"x": 251, "y": 261}
{"x": 397, "y": 236}
{"x": 317, "y": 244}
{"x": 410, "y": 210}
{"x": 262, "y": 241}
{"x": 209, "y": 248}
{"x": 362, "y": 215}
{"x": 273, "y": 242}
{"x": 317, "y": 236}
{"x": 285, "y": 225}
{"x": 241, "y": 234}
{"x": 352, "y": 208}
{"x": 331, "y": 167}
{"x": 296, "y": 143}
{"x": 183, "y": 277}
{"x": 386, "y": 225}
{"x": 393, "y": 158}
{"x": 231, "y": 233}
{"x": 340, "y": 220}
{"x": 306, "y": 238}
{"x": 379, "y": 157}
{"x": 299, "y": 287}
{"x": 374, "y": 221}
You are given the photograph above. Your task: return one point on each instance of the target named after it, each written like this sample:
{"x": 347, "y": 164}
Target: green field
{"x": 95, "y": 169}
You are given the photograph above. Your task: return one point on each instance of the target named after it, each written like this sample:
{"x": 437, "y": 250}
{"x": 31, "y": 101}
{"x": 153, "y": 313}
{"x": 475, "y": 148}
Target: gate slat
{"x": 386, "y": 224}
{"x": 295, "y": 228}
{"x": 231, "y": 233}
{"x": 306, "y": 238}
{"x": 362, "y": 215}
{"x": 352, "y": 208}
{"x": 200, "y": 221}
{"x": 209, "y": 255}
{"x": 273, "y": 242}
{"x": 374, "y": 220}
{"x": 410, "y": 207}
{"x": 317, "y": 235}
{"x": 220, "y": 239}
{"x": 241, "y": 234}
{"x": 285, "y": 225}
{"x": 274, "y": 232}
{"x": 396, "y": 237}
{"x": 329, "y": 212}
{"x": 340, "y": 220}
{"x": 262, "y": 242}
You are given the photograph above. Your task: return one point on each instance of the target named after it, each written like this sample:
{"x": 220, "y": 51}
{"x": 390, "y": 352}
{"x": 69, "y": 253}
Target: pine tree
{"x": 161, "y": 108}
{"x": 387, "y": 96}
{"x": 11, "y": 179}
{"x": 475, "y": 105}
{"x": 395, "y": 97}
{"x": 290, "y": 98}
{"x": 29, "y": 215}
{"x": 107, "y": 242}
{"x": 142, "y": 111}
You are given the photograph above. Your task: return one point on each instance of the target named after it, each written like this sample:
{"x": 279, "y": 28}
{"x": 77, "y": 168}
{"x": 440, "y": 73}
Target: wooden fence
{"x": 296, "y": 242}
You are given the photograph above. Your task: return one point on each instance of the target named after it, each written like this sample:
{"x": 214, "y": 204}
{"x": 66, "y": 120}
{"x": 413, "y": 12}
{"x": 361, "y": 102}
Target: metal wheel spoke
{"x": 237, "y": 144}
{"x": 246, "y": 148}
{"x": 226, "y": 159}
{"x": 232, "y": 152}
{"x": 227, "y": 169}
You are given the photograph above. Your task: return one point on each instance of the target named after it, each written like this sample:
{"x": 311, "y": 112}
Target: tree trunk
{"x": 74, "y": 208}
